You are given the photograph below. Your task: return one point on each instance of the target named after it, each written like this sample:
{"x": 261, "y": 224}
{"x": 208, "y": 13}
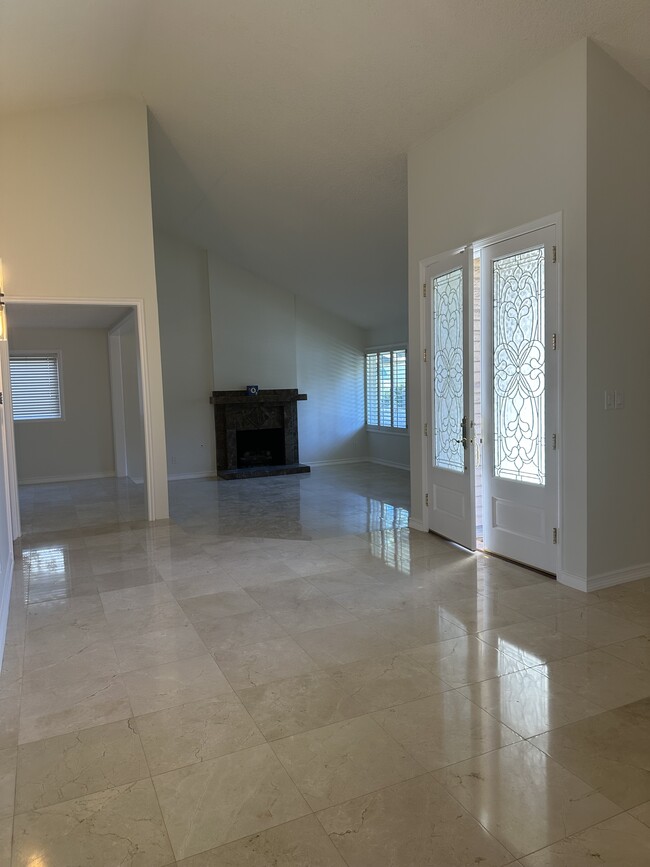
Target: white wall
{"x": 253, "y": 330}
{"x": 330, "y": 371}
{"x": 618, "y": 239}
{"x": 75, "y": 223}
{"x": 80, "y": 445}
{"x": 264, "y": 335}
{"x": 187, "y": 364}
{"x": 517, "y": 157}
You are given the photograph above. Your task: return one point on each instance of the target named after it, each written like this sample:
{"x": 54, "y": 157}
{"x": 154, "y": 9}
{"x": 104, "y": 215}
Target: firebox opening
{"x": 260, "y": 448}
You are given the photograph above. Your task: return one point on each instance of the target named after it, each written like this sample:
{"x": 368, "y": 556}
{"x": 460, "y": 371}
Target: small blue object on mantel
{"x": 252, "y": 389}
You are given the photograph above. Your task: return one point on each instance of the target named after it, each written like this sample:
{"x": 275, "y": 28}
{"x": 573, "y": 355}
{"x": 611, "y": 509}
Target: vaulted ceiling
{"x": 279, "y": 128}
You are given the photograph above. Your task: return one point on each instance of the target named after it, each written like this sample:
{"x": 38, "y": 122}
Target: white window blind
{"x": 386, "y": 388}
{"x": 35, "y": 386}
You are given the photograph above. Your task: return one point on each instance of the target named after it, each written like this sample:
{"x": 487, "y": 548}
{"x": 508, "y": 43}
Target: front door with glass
{"x": 520, "y": 398}
{"x": 451, "y": 457}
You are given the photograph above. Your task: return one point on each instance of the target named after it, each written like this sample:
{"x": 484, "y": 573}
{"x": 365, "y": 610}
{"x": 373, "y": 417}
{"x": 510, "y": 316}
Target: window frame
{"x": 383, "y": 428}
{"x": 44, "y": 353}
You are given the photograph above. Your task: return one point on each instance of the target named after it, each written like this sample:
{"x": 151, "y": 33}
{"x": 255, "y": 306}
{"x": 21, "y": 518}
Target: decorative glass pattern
{"x": 519, "y": 367}
{"x": 448, "y": 393}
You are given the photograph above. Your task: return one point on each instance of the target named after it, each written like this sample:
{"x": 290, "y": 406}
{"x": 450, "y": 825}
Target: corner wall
{"x": 75, "y": 223}
{"x": 186, "y": 340}
{"x": 517, "y": 157}
{"x": 618, "y": 239}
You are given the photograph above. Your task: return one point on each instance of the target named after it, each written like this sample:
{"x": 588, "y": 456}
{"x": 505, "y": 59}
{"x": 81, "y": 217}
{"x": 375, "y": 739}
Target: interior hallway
{"x": 286, "y": 674}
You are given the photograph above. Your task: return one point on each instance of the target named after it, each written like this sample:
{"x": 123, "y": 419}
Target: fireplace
{"x": 260, "y": 448}
{"x": 257, "y": 435}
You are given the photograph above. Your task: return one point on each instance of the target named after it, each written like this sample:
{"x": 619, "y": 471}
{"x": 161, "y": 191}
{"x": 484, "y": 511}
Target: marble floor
{"x": 285, "y": 674}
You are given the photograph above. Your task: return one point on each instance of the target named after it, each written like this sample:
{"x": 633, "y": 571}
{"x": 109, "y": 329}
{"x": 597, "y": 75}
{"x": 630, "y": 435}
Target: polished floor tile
{"x": 465, "y": 660}
{"x": 524, "y": 798}
{"x": 122, "y": 825}
{"x": 263, "y": 662}
{"x": 610, "y": 751}
{"x": 286, "y": 674}
{"x": 298, "y": 704}
{"x": 618, "y": 842}
{"x": 158, "y": 646}
{"x": 174, "y": 683}
{"x": 386, "y": 681}
{"x": 533, "y": 642}
{"x": 300, "y": 843}
{"x": 412, "y": 823}
{"x": 528, "y": 702}
{"x": 600, "y": 677}
{"x": 444, "y": 729}
{"x": 196, "y": 732}
{"x": 222, "y": 799}
{"x": 7, "y": 781}
{"x": 343, "y": 760}
{"x": 593, "y": 626}
{"x": 76, "y": 764}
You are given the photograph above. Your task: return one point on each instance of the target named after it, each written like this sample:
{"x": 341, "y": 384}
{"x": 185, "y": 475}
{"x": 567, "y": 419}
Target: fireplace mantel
{"x": 237, "y": 413}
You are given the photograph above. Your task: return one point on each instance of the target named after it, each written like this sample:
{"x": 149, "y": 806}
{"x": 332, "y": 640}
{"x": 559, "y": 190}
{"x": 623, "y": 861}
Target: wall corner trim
{"x": 5, "y": 583}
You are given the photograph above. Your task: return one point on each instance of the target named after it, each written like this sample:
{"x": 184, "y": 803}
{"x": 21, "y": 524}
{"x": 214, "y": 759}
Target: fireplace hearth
{"x": 257, "y": 435}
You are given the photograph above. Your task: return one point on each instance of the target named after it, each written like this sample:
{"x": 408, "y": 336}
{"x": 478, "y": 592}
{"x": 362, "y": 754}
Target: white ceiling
{"x": 65, "y": 315}
{"x": 279, "y": 129}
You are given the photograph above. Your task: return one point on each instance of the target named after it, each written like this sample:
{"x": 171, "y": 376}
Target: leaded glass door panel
{"x": 451, "y": 457}
{"x": 520, "y": 398}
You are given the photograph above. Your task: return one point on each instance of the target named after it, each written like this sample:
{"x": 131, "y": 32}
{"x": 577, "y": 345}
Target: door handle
{"x": 463, "y": 430}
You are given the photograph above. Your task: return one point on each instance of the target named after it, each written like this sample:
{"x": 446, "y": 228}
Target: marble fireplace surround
{"x": 236, "y": 411}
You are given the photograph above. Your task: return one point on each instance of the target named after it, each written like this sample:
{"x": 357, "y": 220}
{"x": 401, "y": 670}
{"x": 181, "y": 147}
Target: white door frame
{"x": 10, "y": 443}
{"x": 138, "y": 305}
{"x": 553, "y": 220}
{"x": 544, "y": 222}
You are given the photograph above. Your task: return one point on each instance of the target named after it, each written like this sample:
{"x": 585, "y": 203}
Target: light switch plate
{"x": 619, "y": 399}
{"x": 609, "y": 400}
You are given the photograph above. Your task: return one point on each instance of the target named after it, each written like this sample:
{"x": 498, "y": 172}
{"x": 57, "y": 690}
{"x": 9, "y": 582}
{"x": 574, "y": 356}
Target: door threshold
{"x": 519, "y": 563}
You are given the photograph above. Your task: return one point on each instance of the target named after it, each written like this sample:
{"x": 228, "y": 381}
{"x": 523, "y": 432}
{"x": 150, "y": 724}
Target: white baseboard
{"x": 78, "y": 477}
{"x": 384, "y": 463}
{"x": 365, "y": 460}
{"x": 332, "y": 463}
{"x": 605, "y": 579}
{"x": 5, "y": 599}
{"x": 417, "y": 525}
{"x": 137, "y": 480}
{"x": 179, "y": 477}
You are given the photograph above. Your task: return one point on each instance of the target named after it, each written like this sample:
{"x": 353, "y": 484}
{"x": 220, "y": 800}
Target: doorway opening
{"x": 80, "y": 418}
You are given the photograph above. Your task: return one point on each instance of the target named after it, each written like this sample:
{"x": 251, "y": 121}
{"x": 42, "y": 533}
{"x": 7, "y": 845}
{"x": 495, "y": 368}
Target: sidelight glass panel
{"x": 448, "y": 395}
{"x": 519, "y": 367}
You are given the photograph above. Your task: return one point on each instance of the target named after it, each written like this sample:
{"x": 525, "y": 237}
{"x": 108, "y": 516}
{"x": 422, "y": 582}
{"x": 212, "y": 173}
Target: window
{"x": 386, "y": 388}
{"x": 35, "y": 386}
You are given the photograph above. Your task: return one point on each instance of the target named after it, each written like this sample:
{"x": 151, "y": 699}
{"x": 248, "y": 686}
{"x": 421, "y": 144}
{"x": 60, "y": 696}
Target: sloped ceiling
{"x": 279, "y": 128}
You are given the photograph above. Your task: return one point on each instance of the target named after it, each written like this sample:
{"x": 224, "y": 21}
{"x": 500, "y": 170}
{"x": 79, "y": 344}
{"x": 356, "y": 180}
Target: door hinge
{"x": 424, "y": 290}
{"x": 2, "y": 398}
{"x": 426, "y": 499}
{"x": 554, "y": 442}
{"x": 426, "y": 429}
{"x": 555, "y": 533}
{"x": 554, "y": 341}
{"x": 424, "y": 355}
{"x": 554, "y": 254}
